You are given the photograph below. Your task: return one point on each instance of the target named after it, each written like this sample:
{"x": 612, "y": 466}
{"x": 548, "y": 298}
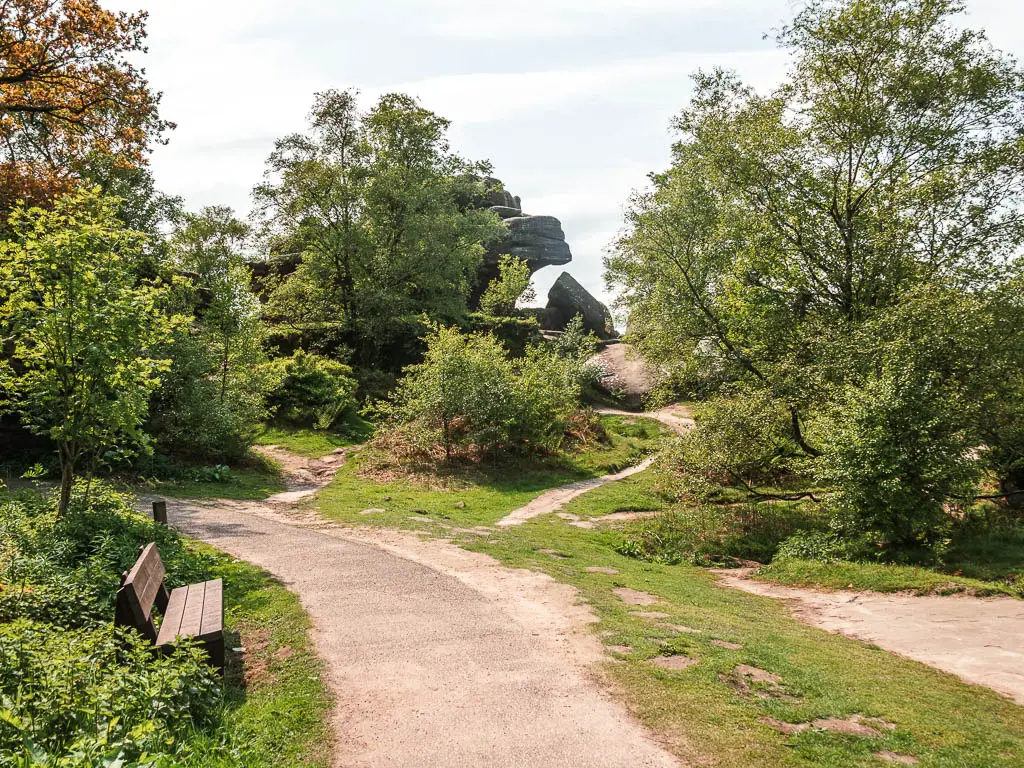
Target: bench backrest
{"x": 141, "y": 588}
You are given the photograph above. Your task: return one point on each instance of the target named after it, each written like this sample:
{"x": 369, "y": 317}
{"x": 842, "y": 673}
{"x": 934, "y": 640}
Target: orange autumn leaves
{"x": 69, "y": 93}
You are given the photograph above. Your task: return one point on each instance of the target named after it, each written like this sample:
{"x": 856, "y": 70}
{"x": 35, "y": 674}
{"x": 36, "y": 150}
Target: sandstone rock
{"x": 568, "y": 298}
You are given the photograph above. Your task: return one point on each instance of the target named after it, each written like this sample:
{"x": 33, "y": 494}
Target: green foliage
{"x": 372, "y": 202}
{"x": 310, "y": 390}
{"x": 75, "y": 692}
{"x": 709, "y": 534}
{"x": 211, "y": 398}
{"x": 510, "y": 287}
{"x": 87, "y": 697}
{"x": 84, "y": 330}
{"x": 517, "y": 334}
{"x": 840, "y": 257}
{"x": 467, "y": 395}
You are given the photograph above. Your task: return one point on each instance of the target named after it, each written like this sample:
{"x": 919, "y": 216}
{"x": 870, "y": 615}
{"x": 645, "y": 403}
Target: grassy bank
{"x": 711, "y": 713}
{"x": 466, "y": 495}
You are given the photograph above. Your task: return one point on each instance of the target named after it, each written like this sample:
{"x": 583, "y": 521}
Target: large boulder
{"x": 568, "y": 298}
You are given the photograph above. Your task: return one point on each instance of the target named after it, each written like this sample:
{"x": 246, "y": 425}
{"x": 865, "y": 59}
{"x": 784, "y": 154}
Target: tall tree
{"x": 794, "y": 226}
{"x": 69, "y": 91}
{"x": 371, "y": 201}
{"x": 81, "y": 329}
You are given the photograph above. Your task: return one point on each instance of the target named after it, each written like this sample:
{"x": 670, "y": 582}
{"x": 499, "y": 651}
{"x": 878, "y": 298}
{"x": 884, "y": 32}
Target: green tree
{"x": 82, "y": 330}
{"x": 510, "y": 287}
{"x": 371, "y": 201}
{"x": 212, "y": 396}
{"x": 794, "y": 225}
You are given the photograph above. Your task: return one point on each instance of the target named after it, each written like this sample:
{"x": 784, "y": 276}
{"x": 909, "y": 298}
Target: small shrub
{"x": 467, "y": 396}
{"x": 713, "y": 535}
{"x": 821, "y": 546}
{"x": 311, "y": 390}
{"x": 87, "y": 697}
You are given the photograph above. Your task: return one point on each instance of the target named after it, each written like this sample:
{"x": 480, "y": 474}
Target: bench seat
{"x": 195, "y": 611}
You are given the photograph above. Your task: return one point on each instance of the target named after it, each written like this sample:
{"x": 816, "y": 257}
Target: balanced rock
{"x": 568, "y": 298}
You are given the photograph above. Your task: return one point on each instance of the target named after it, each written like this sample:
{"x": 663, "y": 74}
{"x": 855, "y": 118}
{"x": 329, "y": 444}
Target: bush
{"x": 66, "y": 572}
{"x": 714, "y": 535}
{"x": 896, "y": 452}
{"x": 468, "y": 396}
{"x": 821, "y": 546}
{"x": 73, "y": 690}
{"x": 88, "y": 697}
{"x": 311, "y": 390}
{"x": 192, "y": 415}
{"x": 509, "y": 288}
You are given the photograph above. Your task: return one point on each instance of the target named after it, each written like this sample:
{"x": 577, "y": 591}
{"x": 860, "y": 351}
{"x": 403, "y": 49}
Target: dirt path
{"x": 980, "y": 640}
{"x": 675, "y": 417}
{"x": 437, "y": 657}
{"x": 553, "y": 500}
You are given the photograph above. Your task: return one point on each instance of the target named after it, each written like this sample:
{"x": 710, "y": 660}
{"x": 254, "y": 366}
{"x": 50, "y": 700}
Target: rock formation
{"x": 567, "y": 299}
{"x": 537, "y": 240}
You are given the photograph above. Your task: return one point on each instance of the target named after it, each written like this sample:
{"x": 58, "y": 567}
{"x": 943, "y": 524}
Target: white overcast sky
{"x": 569, "y": 99}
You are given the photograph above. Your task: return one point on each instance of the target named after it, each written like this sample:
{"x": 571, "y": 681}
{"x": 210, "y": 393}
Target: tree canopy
{"x": 809, "y": 247}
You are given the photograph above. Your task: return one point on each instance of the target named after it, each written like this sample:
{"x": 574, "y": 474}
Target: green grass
{"x": 705, "y": 720}
{"x": 488, "y": 491}
{"x": 276, "y": 705}
{"x": 880, "y": 577}
{"x": 314, "y": 443}
{"x": 245, "y": 483}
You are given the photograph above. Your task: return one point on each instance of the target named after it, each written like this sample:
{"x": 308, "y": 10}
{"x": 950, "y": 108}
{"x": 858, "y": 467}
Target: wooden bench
{"x": 195, "y": 611}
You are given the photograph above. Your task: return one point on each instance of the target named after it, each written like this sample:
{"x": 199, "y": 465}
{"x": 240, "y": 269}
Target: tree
{"x": 213, "y": 393}
{"x": 510, "y": 287}
{"x": 793, "y": 226}
{"x": 81, "y": 329}
{"x": 68, "y": 91}
{"x": 371, "y": 202}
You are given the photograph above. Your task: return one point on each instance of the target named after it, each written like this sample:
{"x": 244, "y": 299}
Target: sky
{"x": 570, "y": 100}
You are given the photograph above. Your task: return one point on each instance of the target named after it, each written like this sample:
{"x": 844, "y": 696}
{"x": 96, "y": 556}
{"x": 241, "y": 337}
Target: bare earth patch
{"x": 727, "y": 645}
{"x": 855, "y": 725}
{"x": 635, "y": 597}
{"x": 892, "y": 757}
{"x": 651, "y": 615}
{"x": 674, "y": 663}
{"x": 981, "y": 640}
{"x": 601, "y": 569}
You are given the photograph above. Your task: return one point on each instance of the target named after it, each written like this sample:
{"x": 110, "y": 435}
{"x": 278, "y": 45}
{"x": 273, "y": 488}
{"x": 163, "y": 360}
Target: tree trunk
{"x": 1013, "y": 485}
{"x": 67, "y": 481}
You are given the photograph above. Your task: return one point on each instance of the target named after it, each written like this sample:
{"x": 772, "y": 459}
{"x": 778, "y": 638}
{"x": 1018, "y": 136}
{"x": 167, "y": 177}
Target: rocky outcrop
{"x": 537, "y": 240}
{"x": 567, "y": 299}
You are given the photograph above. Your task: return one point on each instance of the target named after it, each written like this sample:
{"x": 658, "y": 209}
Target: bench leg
{"x": 215, "y": 650}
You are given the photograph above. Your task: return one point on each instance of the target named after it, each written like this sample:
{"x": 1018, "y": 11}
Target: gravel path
{"x": 979, "y": 640}
{"x": 437, "y": 656}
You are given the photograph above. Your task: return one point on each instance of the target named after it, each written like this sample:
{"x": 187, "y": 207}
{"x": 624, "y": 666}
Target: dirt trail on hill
{"x": 676, "y": 418}
{"x": 981, "y": 640}
{"x": 437, "y": 657}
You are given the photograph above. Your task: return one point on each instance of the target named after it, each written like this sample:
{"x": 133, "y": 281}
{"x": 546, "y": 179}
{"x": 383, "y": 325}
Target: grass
{"x": 879, "y": 577}
{"x": 699, "y": 712}
{"x": 314, "y": 443}
{"x": 481, "y": 494}
{"x": 276, "y": 706}
{"x": 252, "y": 482}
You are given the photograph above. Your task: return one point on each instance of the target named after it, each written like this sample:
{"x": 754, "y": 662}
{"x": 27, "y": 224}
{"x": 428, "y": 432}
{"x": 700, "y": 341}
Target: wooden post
{"x": 160, "y": 512}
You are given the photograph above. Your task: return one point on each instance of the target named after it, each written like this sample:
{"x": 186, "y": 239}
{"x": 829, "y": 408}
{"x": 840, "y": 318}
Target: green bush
{"x": 193, "y": 415}
{"x": 714, "y": 535}
{"x": 821, "y": 546}
{"x": 73, "y": 690}
{"x": 65, "y": 572}
{"x": 310, "y": 390}
{"x": 467, "y": 396}
{"x": 88, "y": 697}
